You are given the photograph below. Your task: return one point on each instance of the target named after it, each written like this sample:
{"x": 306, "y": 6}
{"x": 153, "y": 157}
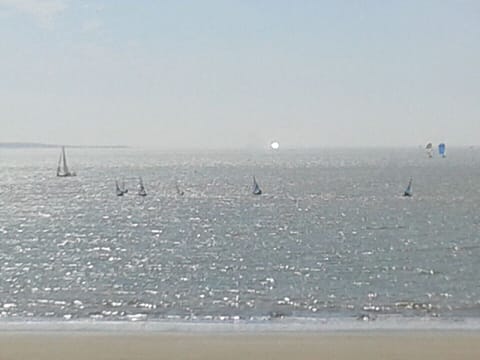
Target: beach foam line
{"x": 251, "y": 326}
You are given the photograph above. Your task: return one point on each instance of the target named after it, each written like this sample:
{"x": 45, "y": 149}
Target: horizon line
{"x": 38, "y": 145}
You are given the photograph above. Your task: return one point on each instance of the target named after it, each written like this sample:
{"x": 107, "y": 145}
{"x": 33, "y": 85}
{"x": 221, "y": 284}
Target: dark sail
{"x": 119, "y": 191}
{"x": 256, "y": 188}
{"x": 408, "y": 190}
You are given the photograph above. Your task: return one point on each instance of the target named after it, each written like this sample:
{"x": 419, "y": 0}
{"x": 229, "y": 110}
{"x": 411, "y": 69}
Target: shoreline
{"x": 259, "y": 326}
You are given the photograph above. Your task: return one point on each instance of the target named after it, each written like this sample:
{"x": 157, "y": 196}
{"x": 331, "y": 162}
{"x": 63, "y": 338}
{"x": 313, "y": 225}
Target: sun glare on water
{"x": 275, "y": 145}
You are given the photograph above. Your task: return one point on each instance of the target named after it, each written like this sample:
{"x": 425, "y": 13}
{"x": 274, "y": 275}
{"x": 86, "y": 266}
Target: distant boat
{"x": 179, "y": 191}
{"x": 429, "y": 150}
{"x": 141, "y": 188}
{"x": 119, "y": 191}
{"x": 256, "y": 189}
{"x": 442, "y": 150}
{"x": 408, "y": 191}
{"x": 62, "y": 168}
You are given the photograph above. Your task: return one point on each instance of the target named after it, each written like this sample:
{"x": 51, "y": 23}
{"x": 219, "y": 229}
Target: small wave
{"x": 138, "y": 322}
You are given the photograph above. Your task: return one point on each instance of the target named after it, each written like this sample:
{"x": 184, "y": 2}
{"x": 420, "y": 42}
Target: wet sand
{"x": 411, "y": 345}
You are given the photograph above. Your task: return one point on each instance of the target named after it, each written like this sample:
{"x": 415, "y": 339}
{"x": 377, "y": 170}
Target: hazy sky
{"x": 240, "y": 73}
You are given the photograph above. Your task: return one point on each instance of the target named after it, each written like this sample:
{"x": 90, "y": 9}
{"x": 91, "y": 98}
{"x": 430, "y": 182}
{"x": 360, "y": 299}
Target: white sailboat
{"x": 256, "y": 188}
{"x": 429, "y": 150}
{"x": 141, "y": 188}
{"x": 62, "y": 167}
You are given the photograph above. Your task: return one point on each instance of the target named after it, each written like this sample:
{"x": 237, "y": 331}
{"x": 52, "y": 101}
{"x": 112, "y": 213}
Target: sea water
{"x": 330, "y": 242}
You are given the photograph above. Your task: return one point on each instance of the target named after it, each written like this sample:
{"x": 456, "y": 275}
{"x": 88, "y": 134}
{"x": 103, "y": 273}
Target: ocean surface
{"x": 330, "y": 241}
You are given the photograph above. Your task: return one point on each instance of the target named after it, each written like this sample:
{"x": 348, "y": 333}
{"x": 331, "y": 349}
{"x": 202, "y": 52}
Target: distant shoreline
{"x": 33, "y": 145}
{"x": 22, "y": 145}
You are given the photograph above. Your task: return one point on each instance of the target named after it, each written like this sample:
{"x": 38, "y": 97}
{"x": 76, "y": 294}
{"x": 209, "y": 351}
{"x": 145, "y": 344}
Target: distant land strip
{"x": 22, "y": 145}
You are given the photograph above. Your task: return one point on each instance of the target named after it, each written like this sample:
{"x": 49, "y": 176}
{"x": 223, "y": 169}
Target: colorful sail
{"x": 442, "y": 150}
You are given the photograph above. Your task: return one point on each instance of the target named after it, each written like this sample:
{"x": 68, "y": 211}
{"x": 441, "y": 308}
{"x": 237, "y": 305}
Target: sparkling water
{"x": 331, "y": 237}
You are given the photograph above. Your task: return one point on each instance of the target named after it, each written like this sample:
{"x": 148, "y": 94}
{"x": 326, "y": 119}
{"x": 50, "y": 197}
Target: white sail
{"x": 62, "y": 167}
{"x": 141, "y": 188}
{"x": 65, "y": 166}
{"x": 429, "y": 150}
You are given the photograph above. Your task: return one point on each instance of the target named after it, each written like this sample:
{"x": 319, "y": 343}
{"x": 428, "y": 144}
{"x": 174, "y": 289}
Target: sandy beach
{"x": 356, "y": 345}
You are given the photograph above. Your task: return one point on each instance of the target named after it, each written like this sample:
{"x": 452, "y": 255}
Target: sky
{"x": 240, "y": 74}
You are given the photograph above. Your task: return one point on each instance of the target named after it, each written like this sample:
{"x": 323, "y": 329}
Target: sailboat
{"x": 119, "y": 191}
{"x": 256, "y": 189}
{"x": 429, "y": 150}
{"x": 179, "y": 191}
{"x": 124, "y": 189}
{"x": 441, "y": 150}
{"x": 408, "y": 191}
{"x": 141, "y": 188}
{"x": 62, "y": 168}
